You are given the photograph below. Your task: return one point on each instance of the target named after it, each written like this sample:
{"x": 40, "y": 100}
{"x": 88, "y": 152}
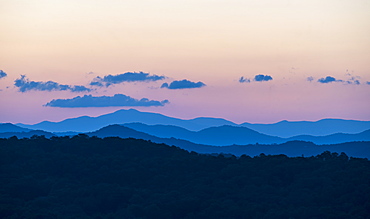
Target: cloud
{"x": 256, "y": 78}
{"x": 104, "y": 101}
{"x": 2, "y": 74}
{"x": 96, "y": 83}
{"x": 125, "y": 77}
{"x": 244, "y": 80}
{"x": 184, "y": 84}
{"x": 262, "y": 78}
{"x": 352, "y": 80}
{"x": 355, "y": 81}
{"x": 328, "y": 79}
{"x": 310, "y": 79}
{"x": 25, "y": 85}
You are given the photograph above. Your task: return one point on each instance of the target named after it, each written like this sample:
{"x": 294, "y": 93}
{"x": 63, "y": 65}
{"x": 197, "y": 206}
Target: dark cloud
{"x": 244, "y": 80}
{"x": 25, "y": 85}
{"x": 125, "y": 77}
{"x": 262, "y": 78}
{"x": 328, "y": 79}
{"x": 104, "y": 101}
{"x": 2, "y": 74}
{"x": 184, "y": 84}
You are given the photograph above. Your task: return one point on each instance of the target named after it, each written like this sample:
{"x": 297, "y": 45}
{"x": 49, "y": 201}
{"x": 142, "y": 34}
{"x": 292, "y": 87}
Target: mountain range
{"x": 237, "y": 140}
{"x": 229, "y": 135}
{"x": 291, "y": 148}
{"x": 88, "y": 124}
{"x": 283, "y": 129}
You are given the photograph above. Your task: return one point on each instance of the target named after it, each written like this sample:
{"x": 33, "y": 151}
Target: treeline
{"x": 90, "y": 177}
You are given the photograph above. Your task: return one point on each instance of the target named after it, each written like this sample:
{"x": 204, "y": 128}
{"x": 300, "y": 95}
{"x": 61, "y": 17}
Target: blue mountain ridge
{"x": 228, "y": 135}
{"x": 289, "y": 146}
{"x": 88, "y": 124}
{"x": 280, "y": 129}
{"x": 9, "y": 127}
{"x": 319, "y": 128}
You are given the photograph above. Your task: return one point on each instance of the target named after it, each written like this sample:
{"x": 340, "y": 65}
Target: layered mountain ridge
{"x": 282, "y": 129}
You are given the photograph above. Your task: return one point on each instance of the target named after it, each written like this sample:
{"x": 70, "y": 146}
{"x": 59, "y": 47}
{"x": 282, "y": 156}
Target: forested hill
{"x": 90, "y": 177}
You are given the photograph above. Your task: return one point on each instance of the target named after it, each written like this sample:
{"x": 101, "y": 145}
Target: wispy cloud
{"x": 25, "y": 85}
{"x": 104, "y": 101}
{"x": 2, "y": 74}
{"x": 125, "y": 77}
{"x": 244, "y": 80}
{"x": 183, "y": 84}
{"x": 353, "y": 79}
{"x": 259, "y": 78}
{"x": 310, "y": 78}
{"x": 329, "y": 79}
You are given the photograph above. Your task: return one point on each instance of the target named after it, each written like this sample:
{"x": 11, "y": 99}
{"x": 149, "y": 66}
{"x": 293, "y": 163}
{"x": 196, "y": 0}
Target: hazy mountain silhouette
{"x": 218, "y": 136}
{"x": 281, "y": 129}
{"x": 9, "y": 127}
{"x": 88, "y": 124}
{"x": 120, "y": 131}
{"x": 290, "y": 148}
{"x": 334, "y": 138}
{"x": 215, "y": 136}
{"x": 319, "y": 128}
{"x": 228, "y": 135}
{"x": 125, "y": 132}
{"x": 162, "y": 131}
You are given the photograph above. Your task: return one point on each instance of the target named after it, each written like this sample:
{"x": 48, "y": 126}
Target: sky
{"x": 258, "y": 61}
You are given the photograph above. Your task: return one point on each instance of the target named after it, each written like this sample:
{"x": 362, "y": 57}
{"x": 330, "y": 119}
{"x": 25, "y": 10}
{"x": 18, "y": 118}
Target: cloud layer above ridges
{"x": 104, "y": 101}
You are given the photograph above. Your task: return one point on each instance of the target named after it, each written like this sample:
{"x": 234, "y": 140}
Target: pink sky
{"x": 215, "y": 42}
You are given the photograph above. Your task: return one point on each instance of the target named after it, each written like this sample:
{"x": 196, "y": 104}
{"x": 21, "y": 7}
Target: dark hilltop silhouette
{"x": 90, "y": 177}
